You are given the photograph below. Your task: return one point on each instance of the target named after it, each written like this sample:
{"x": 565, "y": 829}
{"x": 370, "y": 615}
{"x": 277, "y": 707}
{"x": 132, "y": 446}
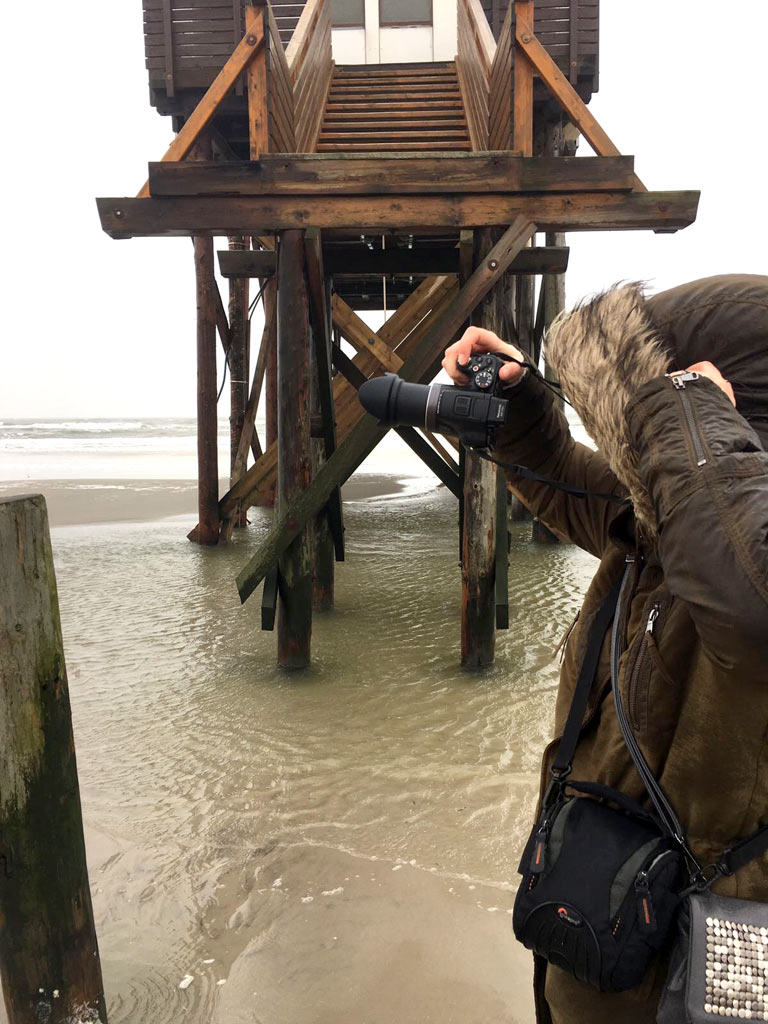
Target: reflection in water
{"x": 321, "y": 842}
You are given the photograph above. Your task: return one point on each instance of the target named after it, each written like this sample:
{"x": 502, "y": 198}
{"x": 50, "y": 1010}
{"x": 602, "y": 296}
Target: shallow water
{"x": 336, "y": 845}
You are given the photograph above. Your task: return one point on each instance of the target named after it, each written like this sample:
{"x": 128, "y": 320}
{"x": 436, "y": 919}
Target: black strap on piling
{"x": 561, "y": 767}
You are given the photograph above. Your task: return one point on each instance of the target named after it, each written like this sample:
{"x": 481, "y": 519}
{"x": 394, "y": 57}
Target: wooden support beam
{"x": 586, "y": 211}
{"x": 239, "y": 334}
{"x": 320, "y": 321}
{"x": 421, "y": 364}
{"x": 362, "y": 338}
{"x": 252, "y": 263}
{"x": 257, "y": 80}
{"x": 358, "y": 261}
{"x": 207, "y": 531}
{"x": 294, "y": 623}
{"x": 391, "y": 174}
{"x": 49, "y": 957}
{"x": 522, "y": 137}
{"x": 478, "y": 618}
{"x": 206, "y": 109}
{"x": 501, "y": 559}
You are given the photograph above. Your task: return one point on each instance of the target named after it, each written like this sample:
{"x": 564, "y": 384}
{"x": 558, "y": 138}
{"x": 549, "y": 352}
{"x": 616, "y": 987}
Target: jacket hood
{"x": 607, "y": 348}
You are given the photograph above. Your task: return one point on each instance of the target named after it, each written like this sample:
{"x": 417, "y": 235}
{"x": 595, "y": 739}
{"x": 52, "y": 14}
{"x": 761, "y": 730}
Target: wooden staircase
{"x": 408, "y": 108}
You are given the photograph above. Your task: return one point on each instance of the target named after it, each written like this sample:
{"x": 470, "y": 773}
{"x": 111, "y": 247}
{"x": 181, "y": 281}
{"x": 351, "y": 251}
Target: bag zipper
{"x": 679, "y": 380}
{"x": 646, "y": 913}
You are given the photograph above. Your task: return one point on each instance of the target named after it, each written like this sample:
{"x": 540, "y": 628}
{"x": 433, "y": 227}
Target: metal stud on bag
{"x": 737, "y": 970}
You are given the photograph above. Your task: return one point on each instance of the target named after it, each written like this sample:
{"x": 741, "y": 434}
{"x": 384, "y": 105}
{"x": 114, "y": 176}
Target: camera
{"x": 472, "y": 412}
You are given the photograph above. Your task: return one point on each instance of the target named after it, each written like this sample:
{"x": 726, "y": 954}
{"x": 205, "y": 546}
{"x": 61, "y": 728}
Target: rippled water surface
{"x": 337, "y": 845}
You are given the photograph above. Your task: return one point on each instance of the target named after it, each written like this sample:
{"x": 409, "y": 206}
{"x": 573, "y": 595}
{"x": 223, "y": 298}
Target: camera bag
{"x": 601, "y": 876}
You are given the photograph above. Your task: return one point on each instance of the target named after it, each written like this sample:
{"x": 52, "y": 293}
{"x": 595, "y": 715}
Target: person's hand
{"x": 707, "y": 369}
{"x": 476, "y": 339}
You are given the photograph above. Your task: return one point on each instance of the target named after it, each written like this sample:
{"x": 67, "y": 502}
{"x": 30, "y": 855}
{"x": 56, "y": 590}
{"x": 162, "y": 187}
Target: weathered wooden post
{"x": 478, "y": 605}
{"x": 207, "y": 385}
{"x": 49, "y": 958}
{"x": 294, "y": 452}
{"x": 239, "y": 352}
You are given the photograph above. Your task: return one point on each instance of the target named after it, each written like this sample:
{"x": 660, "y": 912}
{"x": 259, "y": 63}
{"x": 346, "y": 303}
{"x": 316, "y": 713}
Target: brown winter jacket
{"x": 696, "y": 687}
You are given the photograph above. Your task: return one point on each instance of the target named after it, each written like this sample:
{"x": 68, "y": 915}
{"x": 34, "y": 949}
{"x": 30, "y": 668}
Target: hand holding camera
{"x": 477, "y": 341}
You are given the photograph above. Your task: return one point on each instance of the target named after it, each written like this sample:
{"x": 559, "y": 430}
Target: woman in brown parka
{"x": 698, "y": 479}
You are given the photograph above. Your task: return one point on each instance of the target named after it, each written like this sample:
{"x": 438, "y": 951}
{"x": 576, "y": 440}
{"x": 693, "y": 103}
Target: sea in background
{"x": 332, "y": 847}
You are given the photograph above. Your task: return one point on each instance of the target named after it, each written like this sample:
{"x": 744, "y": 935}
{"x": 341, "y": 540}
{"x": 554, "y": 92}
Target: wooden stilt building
{"x": 379, "y": 180}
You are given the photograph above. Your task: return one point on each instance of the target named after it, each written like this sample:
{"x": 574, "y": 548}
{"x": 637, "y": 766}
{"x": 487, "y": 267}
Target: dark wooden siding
{"x": 188, "y": 41}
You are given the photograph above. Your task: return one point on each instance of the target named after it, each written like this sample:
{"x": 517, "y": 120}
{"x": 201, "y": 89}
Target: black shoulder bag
{"x": 603, "y": 879}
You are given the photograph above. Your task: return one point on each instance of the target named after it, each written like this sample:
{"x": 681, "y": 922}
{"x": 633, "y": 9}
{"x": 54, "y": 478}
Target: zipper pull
{"x": 645, "y": 912}
{"x": 681, "y": 378}
{"x": 652, "y": 618}
{"x": 539, "y": 855}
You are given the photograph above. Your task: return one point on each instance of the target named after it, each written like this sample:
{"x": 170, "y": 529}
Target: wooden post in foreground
{"x": 478, "y": 604}
{"x": 49, "y": 958}
{"x": 294, "y": 624}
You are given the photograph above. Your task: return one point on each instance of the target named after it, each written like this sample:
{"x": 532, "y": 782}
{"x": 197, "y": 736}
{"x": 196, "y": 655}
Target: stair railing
{"x": 310, "y": 62}
{"x": 477, "y": 51}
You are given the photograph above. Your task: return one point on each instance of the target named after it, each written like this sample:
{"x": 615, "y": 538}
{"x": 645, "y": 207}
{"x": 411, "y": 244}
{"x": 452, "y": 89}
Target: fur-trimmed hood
{"x": 608, "y": 347}
{"x": 602, "y": 351}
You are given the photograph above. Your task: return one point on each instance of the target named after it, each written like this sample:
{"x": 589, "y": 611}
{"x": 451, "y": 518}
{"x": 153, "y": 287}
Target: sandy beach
{"x": 80, "y": 502}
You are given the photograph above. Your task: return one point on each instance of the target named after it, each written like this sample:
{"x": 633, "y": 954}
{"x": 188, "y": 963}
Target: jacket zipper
{"x": 642, "y": 655}
{"x": 679, "y": 380}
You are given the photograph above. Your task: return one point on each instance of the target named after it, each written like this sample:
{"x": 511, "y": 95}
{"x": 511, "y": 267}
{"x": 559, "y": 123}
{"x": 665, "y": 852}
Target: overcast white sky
{"x": 95, "y": 327}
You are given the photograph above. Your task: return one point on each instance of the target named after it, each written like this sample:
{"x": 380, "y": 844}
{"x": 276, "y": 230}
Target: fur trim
{"x": 602, "y": 352}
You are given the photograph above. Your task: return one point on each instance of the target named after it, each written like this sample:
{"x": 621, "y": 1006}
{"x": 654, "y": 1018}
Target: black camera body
{"x": 473, "y": 412}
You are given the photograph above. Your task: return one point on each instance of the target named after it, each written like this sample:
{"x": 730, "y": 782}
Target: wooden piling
{"x": 478, "y": 554}
{"x": 207, "y": 531}
{"x": 294, "y": 626}
{"x": 49, "y": 958}
{"x": 238, "y": 363}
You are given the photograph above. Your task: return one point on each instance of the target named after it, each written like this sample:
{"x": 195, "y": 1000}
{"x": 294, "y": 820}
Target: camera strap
{"x": 556, "y": 485}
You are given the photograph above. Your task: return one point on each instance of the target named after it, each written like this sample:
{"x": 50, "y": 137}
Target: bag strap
{"x": 561, "y": 768}
{"x": 742, "y": 853}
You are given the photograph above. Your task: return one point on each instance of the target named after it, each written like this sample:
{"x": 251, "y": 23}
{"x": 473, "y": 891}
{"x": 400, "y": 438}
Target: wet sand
{"x": 82, "y": 502}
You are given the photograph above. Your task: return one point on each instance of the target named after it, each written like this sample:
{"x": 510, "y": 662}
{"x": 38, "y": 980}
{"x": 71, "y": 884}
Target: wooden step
{"x": 394, "y": 98}
{"x": 396, "y": 147}
{"x": 395, "y": 114}
{"x": 428, "y": 72}
{"x": 367, "y": 87}
{"x": 383, "y": 105}
{"x": 375, "y": 125}
{"x": 378, "y": 135}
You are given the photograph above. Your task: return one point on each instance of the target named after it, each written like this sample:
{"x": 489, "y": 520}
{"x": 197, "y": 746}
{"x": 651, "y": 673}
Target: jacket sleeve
{"x": 537, "y": 437}
{"x": 707, "y": 475}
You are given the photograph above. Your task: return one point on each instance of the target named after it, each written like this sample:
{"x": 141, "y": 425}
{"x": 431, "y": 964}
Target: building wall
{"x": 375, "y": 45}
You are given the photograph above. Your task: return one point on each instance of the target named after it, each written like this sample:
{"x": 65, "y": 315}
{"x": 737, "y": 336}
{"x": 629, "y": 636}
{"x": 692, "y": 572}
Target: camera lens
{"x": 393, "y": 400}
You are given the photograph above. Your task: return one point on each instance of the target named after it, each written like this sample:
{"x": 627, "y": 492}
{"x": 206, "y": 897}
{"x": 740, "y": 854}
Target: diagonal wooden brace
{"x": 206, "y": 109}
{"x": 424, "y": 360}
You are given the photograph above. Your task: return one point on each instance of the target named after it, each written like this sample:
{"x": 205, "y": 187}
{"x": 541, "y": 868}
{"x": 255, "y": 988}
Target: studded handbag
{"x": 719, "y": 966}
